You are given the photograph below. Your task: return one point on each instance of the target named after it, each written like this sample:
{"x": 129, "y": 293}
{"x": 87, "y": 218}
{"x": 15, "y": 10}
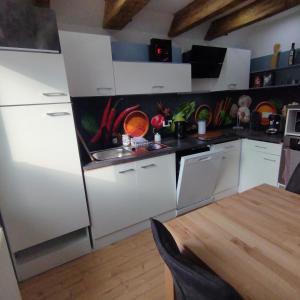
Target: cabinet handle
{"x": 54, "y": 94}
{"x": 148, "y": 166}
{"x": 260, "y": 147}
{"x": 126, "y": 171}
{"x": 229, "y": 147}
{"x": 232, "y": 86}
{"x": 104, "y": 88}
{"x": 158, "y": 86}
{"x": 204, "y": 159}
{"x": 58, "y": 114}
{"x": 267, "y": 159}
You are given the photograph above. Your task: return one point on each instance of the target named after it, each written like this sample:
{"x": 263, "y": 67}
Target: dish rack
{"x": 139, "y": 142}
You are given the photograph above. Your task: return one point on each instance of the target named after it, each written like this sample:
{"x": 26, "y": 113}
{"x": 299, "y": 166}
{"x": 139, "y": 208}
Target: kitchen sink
{"x": 125, "y": 152}
{"x": 112, "y": 153}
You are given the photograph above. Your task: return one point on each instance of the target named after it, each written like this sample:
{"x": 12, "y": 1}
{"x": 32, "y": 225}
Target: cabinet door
{"x": 257, "y": 167}
{"x": 249, "y": 169}
{"x": 112, "y": 196}
{"x": 235, "y": 71}
{"x": 269, "y": 170}
{"x": 32, "y": 78}
{"x": 157, "y": 185}
{"x": 170, "y": 78}
{"x": 88, "y": 60}
{"x": 8, "y": 283}
{"x": 147, "y": 78}
{"x": 229, "y": 171}
{"x": 42, "y": 192}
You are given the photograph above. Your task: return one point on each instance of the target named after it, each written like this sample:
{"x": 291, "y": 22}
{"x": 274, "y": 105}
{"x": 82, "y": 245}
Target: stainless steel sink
{"x": 112, "y": 153}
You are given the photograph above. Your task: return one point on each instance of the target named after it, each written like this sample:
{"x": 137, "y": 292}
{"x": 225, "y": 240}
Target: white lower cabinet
{"x": 260, "y": 163}
{"x": 123, "y": 195}
{"x": 230, "y": 167}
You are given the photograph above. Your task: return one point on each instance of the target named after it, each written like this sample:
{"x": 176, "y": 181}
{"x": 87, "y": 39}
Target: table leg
{"x": 170, "y": 295}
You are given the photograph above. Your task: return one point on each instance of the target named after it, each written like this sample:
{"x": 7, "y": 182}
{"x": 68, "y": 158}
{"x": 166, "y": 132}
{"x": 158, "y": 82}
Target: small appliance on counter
{"x": 290, "y": 157}
{"x": 274, "y": 124}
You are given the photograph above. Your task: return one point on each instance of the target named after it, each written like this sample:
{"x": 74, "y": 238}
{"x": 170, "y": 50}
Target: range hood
{"x": 206, "y": 61}
{"x": 25, "y": 27}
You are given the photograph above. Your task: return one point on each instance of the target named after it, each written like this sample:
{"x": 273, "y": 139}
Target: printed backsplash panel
{"x": 100, "y": 120}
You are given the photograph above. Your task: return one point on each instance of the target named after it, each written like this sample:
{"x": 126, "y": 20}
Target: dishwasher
{"x": 197, "y": 176}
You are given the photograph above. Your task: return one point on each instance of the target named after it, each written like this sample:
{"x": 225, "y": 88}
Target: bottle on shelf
{"x": 291, "y": 59}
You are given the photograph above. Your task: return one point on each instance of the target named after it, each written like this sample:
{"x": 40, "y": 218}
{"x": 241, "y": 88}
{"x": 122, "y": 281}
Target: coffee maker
{"x": 274, "y": 124}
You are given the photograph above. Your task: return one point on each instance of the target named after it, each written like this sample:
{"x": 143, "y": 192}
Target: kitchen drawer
{"x": 264, "y": 147}
{"x": 229, "y": 146}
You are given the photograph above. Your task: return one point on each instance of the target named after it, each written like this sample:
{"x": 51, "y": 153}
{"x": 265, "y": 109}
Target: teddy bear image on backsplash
{"x": 242, "y": 111}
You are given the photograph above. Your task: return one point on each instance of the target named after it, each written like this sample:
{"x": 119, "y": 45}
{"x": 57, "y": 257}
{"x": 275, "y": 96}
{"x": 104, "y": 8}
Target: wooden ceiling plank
{"x": 41, "y": 3}
{"x": 198, "y": 12}
{"x": 118, "y": 13}
{"x": 248, "y": 15}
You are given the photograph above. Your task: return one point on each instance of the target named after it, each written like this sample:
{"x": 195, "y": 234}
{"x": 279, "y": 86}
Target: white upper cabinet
{"x": 151, "y": 78}
{"x": 32, "y": 78}
{"x": 88, "y": 60}
{"x": 234, "y": 75}
{"x": 235, "y": 71}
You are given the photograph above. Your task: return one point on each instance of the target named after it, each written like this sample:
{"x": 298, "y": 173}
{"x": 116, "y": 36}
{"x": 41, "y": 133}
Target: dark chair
{"x": 191, "y": 282}
{"x": 294, "y": 182}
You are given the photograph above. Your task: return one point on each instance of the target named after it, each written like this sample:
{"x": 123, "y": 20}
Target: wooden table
{"x": 251, "y": 240}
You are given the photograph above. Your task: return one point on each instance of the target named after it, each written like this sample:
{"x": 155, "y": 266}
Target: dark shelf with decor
{"x": 287, "y": 76}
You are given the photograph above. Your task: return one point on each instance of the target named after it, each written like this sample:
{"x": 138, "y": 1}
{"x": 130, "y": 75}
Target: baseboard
{"x": 129, "y": 231}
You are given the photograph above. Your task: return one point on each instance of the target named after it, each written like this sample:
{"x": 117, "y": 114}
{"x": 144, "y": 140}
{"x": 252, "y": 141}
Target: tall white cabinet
{"x": 88, "y": 61}
{"x": 41, "y": 184}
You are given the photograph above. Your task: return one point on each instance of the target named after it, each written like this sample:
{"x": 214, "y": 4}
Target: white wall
{"x": 154, "y": 21}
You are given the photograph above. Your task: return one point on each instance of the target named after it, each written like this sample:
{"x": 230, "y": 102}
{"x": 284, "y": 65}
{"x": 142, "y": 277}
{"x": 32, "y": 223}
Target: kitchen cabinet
{"x": 123, "y": 195}
{"x": 32, "y": 78}
{"x": 228, "y": 179}
{"x": 8, "y": 284}
{"x": 42, "y": 191}
{"x": 260, "y": 163}
{"x": 151, "y": 78}
{"x": 234, "y": 74}
{"x": 88, "y": 60}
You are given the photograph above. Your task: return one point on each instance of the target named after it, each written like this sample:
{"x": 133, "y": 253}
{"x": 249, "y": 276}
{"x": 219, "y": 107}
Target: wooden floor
{"x": 130, "y": 269}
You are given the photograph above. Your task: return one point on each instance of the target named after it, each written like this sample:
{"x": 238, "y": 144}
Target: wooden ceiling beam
{"x": 118, "y": 13}
{"x": 198, "y": 12}
{"x": 248, "y": 15}
{"x": 41, "y": 3}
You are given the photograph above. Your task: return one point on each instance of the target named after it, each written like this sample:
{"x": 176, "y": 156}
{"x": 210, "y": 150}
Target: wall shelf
{"x": 276, "y": 69}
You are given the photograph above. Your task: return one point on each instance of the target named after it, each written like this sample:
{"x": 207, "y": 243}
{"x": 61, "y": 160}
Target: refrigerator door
{"x": 32, "y": 78}
{"x": 42, "y": 192}
{"x": 198, "y": 177}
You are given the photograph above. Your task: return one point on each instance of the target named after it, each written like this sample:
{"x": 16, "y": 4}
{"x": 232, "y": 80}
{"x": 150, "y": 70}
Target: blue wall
{"x": 124, "y": 51}
{"x": 264, "y": 62}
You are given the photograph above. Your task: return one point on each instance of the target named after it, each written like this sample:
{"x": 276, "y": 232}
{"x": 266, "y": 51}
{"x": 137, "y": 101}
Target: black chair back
{"x": 294, "y": 182}
{"x": 191, "y": 282}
